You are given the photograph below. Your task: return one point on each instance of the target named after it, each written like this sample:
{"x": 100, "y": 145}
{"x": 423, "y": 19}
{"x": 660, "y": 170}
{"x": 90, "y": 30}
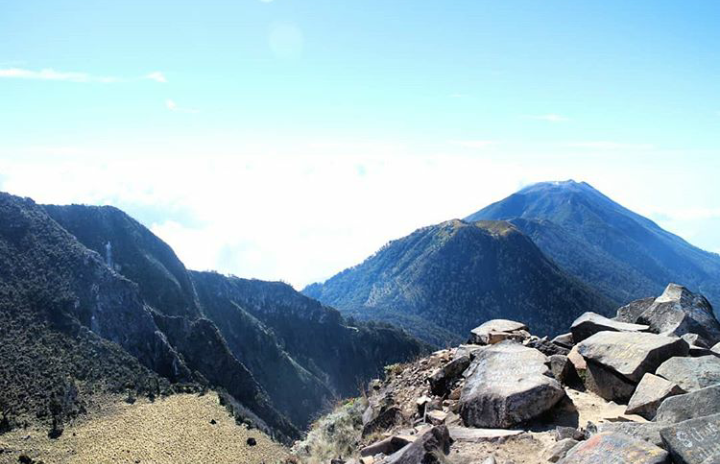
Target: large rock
{"x": 387, "y": 446}
{"x": 508, "y": 385}
{"x": 612, "y": 448}
{"x": 695, "y": 441}
{"x": 387, "y": 419}
{"x": 691, "y": 373}
{"x": 560, "y": 449}
{"x": 473, "y": 435}
{"x": 631, "y": 355}
{"x": 607, "y": 383}
{"x": 442, "y": 380}
{"x": 497, "y": 330}
{"x": 430, "y": 448}
{"x": 716, "y": 348}
{"x": 648, "y": 431}
{"x": 631, "y": 312}
{"x": 563, "y": 369}
{"x": 679, "y": 311}
{"x": 589, "y": 324}
{"x": 679, "y": 408}
{"x": 650, "y": 392}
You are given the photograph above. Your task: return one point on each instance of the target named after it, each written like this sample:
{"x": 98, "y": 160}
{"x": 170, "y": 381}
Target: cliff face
{"x": 119, "y": 303}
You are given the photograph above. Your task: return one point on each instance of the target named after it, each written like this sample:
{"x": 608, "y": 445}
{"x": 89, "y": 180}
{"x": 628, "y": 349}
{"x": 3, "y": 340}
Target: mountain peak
{"x": 569, "y": 185}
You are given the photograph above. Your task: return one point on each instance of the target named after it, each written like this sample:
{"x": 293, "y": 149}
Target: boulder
{"x": 509, "y": 385}
{"x": 473, "y": 435}
{"x": 679, "y": 311}
{"x": 650, "y": 392}
{"x": 696, "y": 441}
{"x": 436, "y": 417}
{"x": 442, "y": 380}
{"x": 605, "y": 448}
{"x": 384, "y": 421}
{"x": 691, "y": 373}
{"x": 631, "y": 312}
{"x": 545, "y": 346}
{"x": 564, "y": 340}
{"x": 430, "y": 448}
{"x": 679, "y": 408}
{"x": 648, "y": 431}
{"x": 562, "y": 369}
{"x": 387, "y": 446}
{"x": 716, "y": 348}
{"x": 590, "y": 323}
{"x": 606, "y": 383}
{"x": 558, "y": 451}
{"x": 631, "y": 354}
{"x": 497, "y": 330}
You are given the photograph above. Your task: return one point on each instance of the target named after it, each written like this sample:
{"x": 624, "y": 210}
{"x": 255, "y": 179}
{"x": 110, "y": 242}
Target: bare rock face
{"x": 497, "y": 330}
{"x": 648, "y": 395}
{"x": 606, "y": 448}
{"x": 430, "y": 448}
{"x": 691, "y": 373}
{"x": 631, "y": 312}
{"x": 695, "y": 441}
{"x": 679, "y": 311}
{"x": 631, "y": 355}
{"x": 691, "y": 405}
{"x": 590, "y": 323}
{"x": 508, "y": 385}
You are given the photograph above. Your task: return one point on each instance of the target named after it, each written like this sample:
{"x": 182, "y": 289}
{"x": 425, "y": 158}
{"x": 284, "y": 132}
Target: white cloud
{"x": 172, "y": 106}
{"x": 157, "y": 76}
{"x": 606, "y": 145}
{"x": 548, "y": 117}
{"x": 49, "y": 74}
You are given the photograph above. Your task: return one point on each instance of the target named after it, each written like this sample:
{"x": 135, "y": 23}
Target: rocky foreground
{"x": 643, "y": 387}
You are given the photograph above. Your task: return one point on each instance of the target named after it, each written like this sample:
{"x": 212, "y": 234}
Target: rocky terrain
{"x": 92, "y": 303}
{"x": 642, "y": 387}
{"x": 440, "y": 280}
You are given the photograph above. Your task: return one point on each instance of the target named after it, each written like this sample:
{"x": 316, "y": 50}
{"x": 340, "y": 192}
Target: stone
{"x": 562, "y": 369}
{"x": 497, "y": 330}
{"x": 650, "y": 392}
{"x": 694, "y": 339}
{"x": 691, "y": 373}
{"x": 716, "y": 348}
{"x": 430, "y": 448}
{"x": 545, "y": 346}
{"x": 558, "y": 451}
{"x": 387, "y": 446}
{"x": 468, "y": 350}
{"x": 590, "y": 323}
{"x": 614, "y": 448}
{"x": 509, "y": 385}
{"x": 421, "y": 404}
{"x": 442, "y": 380}
{"x": 698, "y": 403}
{"x": 631, "y": 354}
{"x": 679, "y": 311}
{"x": 562, "y": 433}
{"x": 473, "y": 435}
{"x": 564, "y": 340}
{"x": 631, "y": 312}
{"x": 251, "y": 441}
{"x": 696, "y": 441}
{"x": 607, "y": 383}
{"x": 577, "y": 360}
{"x": 648, "y": 431}
{"x": 436, "y": 417}
{"x": 387, "y": 419}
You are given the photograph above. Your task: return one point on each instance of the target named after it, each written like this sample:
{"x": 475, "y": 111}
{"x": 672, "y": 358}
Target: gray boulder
{"x": 387, "y": 446}
{"x": 508, "y": 385}
{"x": 648, "y": 431}
{"x": 565, "y": 340}
{"x": 691, "y": 373}
{"x": 590, "y": 323}
{"x": 679, "y": 311}
{"x": 632, "y": 311}
{"x": 695, "y": 441}
{"x": 562, "y": 369}
{"x": 679, "y": 408}
{"x": 607, "y": 383}
{"x": 560, "y": 449}
{"x": 650, "y": 392}
{"x": 605, "y": 448}
{"x": 442, "y": 380}
{"x": 430, "y": 448}
{"x": 631, "y": 355}
{"x": 387, "y": 419}
{"x": 716, "y": 348}
{"x": 497, "y": 330}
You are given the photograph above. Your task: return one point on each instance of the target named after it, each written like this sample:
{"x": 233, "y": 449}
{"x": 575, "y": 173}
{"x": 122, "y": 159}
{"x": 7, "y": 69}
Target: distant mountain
{"x": 441, "y": 281}
{"x": 623, "y": 255}
{"x": 92, "y": 301}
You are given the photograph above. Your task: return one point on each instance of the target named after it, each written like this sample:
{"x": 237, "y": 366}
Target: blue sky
{"x": 256, "y": 136}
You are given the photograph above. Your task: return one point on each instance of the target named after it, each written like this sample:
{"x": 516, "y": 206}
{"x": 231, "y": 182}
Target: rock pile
{"x": 643, "y": 387}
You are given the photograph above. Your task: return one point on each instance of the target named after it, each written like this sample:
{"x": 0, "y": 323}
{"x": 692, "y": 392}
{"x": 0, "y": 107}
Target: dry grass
{"x": 176, "y": 429}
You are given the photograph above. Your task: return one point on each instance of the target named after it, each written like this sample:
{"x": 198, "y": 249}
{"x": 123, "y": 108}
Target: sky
{"x": 288, "y": 140}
